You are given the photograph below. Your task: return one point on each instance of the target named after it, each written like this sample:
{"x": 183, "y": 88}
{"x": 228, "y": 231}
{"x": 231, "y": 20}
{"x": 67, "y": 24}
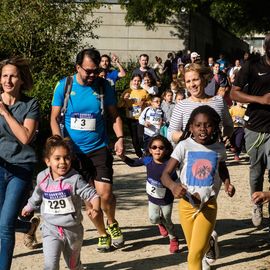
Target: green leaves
{"x": 49, "y": 33}
{"x": 239, "y": 17}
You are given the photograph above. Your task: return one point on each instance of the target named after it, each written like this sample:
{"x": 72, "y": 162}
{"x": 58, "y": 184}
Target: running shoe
{"x": 205, "y": 264}
{"x": 116, "y": 235}
{"x": 163, "y": 231}
{"x": 30, "y": 240}
{"x": 257, "y": 215}
{"x": 174, "y": 245}
{"x": 213, "y": 251}
{"x": 104, "y": 243}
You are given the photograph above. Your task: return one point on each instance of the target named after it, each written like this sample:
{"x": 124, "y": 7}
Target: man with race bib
{"x": 84, "y": 124}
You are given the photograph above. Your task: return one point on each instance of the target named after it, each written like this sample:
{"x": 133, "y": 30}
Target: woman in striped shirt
{"x": 196, "y": 78}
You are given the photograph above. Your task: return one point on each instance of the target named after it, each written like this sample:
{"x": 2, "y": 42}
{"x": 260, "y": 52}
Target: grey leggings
{"x": 161, "y": 214}
{"x": 62, "y": 239}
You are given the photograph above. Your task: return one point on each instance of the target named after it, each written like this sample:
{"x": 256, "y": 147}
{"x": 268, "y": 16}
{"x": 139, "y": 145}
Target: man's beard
{"x": 87, "y": 82}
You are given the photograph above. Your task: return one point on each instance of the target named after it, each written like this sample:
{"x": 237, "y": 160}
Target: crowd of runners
{"x": 182, "y": 116}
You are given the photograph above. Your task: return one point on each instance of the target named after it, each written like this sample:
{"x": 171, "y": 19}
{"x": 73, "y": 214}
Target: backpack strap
{"x": 67, "y": 91}
{"x": 146, "y": 113}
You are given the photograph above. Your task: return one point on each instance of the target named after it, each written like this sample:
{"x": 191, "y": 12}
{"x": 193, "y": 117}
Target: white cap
{"x": 194, "y": 55}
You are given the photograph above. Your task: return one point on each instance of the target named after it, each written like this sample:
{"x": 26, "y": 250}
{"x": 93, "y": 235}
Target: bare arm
{"x": 118, "y": 130}
{"x": 177, "y": 189}
{"x": 225, "y": 177}
{"x": 55, "y": 113}
{"x": 122, "y": 72}
{"x": 176, "y": 135}
{"x": 23, "y": 132}
{"x": 238, "y": 95}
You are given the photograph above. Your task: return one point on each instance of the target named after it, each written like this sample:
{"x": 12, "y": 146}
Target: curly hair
{"x": 212, "y": 115}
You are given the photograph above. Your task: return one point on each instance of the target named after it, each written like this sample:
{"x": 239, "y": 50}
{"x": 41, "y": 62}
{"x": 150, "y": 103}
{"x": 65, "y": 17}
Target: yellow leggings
{"x": 197, "y": 230}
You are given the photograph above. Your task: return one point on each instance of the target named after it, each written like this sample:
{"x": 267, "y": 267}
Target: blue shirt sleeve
{"x": 109, "y": 98}
{"x": 58, "y": 95}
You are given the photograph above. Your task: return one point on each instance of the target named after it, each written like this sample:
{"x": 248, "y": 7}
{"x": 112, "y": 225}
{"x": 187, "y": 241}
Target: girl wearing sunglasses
{"x": 160, "y": 198}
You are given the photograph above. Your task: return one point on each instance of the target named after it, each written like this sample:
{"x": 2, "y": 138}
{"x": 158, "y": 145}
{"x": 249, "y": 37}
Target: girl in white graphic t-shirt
{"x": 202, "y": 168}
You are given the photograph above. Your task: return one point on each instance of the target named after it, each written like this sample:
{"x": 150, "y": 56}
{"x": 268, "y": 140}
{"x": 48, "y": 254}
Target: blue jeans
{"x": 15, "y": 181}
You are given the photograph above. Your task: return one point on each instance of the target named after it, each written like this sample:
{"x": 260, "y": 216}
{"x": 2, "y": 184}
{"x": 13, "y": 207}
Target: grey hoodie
{"x": 72, "y": 185}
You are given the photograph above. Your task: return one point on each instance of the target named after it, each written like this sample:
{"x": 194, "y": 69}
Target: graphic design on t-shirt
{"x": 201, "y": 167}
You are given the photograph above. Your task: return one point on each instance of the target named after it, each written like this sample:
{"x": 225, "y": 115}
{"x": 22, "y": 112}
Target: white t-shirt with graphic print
{"x": 199, "y": 167}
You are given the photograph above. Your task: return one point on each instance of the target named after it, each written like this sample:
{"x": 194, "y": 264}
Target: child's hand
{"x": 93, "y": 209}
{"x": 126, "y": 96}
{"x": 93, "y": 213}
{"x": 147, "y": 124}
{"x": 260, "y": 197}
{"x": 230, "y": 190}
{"x": 25, "y": 212}
{"x": 178, "y": 190}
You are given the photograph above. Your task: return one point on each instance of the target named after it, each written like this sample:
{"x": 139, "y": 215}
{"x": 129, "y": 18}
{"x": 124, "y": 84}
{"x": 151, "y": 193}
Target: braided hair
{"x": 213, "y": 117}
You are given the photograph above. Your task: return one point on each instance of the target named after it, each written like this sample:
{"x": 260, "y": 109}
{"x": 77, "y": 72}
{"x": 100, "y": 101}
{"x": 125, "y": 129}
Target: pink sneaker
{"x": 174, "y": 245}
{"x": 163, "y": 231}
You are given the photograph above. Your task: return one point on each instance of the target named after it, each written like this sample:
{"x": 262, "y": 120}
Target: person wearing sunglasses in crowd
{"x": 160, "y": 198}
{"x": 84, "y": 124}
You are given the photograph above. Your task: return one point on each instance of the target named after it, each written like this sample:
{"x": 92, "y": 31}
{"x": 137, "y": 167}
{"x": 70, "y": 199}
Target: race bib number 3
{"x": 83, "y": 121}
{"x": 58, "y": 202}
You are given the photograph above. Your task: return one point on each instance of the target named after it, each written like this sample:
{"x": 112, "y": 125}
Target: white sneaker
{"x": 205, "y": 264}
{"x": 257, "y": 215}
{"x": 213, "y": 252}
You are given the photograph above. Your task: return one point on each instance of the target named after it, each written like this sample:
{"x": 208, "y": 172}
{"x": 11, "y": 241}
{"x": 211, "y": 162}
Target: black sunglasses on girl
{"x": 154, "y": 147}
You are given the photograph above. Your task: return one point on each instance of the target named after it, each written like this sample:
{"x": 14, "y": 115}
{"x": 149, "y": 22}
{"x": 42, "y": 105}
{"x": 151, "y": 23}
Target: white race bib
{"x": 155, "y": 190}
{"x": 83, "y": 121}
{"x": 58, "y": 202}
{"x": 136, "y": 111}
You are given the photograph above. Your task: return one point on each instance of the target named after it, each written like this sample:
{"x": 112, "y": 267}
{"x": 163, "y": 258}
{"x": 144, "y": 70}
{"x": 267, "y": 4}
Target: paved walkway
{"x": 242, "y": 246}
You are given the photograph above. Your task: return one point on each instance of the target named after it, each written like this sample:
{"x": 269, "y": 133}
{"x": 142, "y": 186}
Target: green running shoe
{"x": 116, "y": 235}
{"x": 104, "y": 243}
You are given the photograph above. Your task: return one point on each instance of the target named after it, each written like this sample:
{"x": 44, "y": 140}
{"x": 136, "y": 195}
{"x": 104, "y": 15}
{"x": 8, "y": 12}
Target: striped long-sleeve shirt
{"x": 184, "y": 108}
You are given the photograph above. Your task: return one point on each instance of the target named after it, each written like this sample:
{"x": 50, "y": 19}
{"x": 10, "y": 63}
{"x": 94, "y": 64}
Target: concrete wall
{"x": 194, "y": 32}
{"x": 130, "y": 42}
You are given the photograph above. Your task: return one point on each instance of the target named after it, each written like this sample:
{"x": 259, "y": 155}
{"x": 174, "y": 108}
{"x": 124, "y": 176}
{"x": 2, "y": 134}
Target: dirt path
{"x": 242, "y": 246}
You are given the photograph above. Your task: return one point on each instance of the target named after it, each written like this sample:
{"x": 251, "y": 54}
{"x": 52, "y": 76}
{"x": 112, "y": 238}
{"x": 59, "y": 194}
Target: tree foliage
{"x": 48, "y": 33}
{"x": 239, "y": 17}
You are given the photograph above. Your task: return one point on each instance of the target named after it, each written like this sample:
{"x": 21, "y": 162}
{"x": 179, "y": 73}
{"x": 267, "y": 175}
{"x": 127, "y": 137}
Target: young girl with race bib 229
{"x": 59, "y": 192}
{"x": 202, "y": 170}
{"x": 160, "y": 199}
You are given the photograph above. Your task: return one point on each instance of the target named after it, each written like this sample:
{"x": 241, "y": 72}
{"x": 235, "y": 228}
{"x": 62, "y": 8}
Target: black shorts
{"x": 96, "y": 165}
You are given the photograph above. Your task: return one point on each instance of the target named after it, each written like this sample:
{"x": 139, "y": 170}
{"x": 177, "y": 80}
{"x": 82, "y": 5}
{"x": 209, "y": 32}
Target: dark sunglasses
{"x": 154, "y": 147}
{"x": 90, "y": 71}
